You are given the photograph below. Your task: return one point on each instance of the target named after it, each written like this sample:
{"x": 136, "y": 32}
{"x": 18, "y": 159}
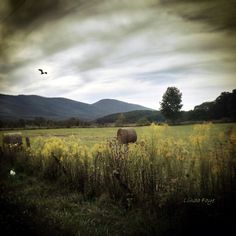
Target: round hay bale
{"x": 12, "y": 141}
{"x": 125, "y": 136}
{"x": 12, "y": 138}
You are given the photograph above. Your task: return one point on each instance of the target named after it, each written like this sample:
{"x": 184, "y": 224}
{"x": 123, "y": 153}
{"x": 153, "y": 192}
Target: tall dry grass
{"x": 156, "y": 170}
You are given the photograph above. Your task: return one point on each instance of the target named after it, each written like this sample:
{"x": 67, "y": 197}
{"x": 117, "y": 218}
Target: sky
{"x": 126, "y": 50}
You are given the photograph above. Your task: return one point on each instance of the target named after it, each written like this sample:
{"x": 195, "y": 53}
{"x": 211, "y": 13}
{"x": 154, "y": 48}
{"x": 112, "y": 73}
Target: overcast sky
{"x": 127, "y": 50}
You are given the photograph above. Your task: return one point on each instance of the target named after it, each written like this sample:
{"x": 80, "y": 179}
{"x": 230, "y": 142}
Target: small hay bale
{"x": 13, "y": 140}
{"x": 125, "y": 136}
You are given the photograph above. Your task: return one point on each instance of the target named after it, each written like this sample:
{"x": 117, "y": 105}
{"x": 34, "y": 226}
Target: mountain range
{"x": 32, "y": 106}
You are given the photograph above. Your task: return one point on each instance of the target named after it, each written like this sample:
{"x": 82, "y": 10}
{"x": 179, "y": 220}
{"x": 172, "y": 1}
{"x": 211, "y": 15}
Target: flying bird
{"x": 42, "y": 72}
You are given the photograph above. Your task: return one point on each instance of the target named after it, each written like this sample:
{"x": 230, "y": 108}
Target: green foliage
{"x": 171, "y": 103}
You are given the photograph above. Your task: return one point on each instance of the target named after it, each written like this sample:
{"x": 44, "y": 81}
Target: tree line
{"x": 40, "y": 122}
{"x": 223, "y": 108}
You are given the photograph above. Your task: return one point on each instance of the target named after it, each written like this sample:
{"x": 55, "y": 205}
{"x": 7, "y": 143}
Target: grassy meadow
{"x": 91, "y": 136}
{"x": 90, "y": 184}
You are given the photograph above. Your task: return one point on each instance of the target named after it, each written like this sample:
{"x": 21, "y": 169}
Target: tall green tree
{"x": 171, "y": 103}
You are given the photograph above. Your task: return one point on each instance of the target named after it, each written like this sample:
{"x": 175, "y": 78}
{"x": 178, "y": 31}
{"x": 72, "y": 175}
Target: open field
{"x": 86, "y": 183}
{"x": 91, "y": 136}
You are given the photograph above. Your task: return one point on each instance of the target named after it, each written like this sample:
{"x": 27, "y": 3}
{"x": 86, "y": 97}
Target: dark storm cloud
{"x": 27, "y": 15}
{"x": 220, "y": 14}
{"x": 18, "y": 14}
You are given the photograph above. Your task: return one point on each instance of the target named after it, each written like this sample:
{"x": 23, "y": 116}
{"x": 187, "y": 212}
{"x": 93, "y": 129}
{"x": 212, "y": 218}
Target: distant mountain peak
{"x": 59, "y": 108}
{"x": 109, "y": 100}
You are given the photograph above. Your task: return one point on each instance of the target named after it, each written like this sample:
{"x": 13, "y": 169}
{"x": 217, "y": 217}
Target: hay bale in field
{"x": 125, "y": 136}
{"x": 12, "y": 140}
